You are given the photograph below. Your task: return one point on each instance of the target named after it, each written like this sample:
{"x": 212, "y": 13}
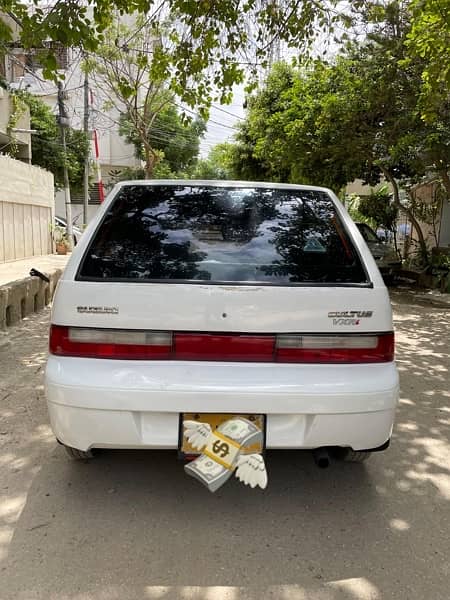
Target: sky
{"x": 223, "y": 121}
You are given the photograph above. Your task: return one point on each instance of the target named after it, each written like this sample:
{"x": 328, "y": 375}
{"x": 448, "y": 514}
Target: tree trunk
{"x": 394, "y": 233}
{"x": 151, "y": 158}
{"x": 148, "y": 164}
{"x": 423, "y": 246}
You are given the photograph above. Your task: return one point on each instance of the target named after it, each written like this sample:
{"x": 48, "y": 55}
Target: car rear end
{"x": 221, "y": 298}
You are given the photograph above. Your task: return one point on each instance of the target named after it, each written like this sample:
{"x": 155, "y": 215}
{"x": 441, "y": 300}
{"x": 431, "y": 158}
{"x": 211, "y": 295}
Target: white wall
{"x": 444, "y": 234}
{"x": 26, "y": 210}
{"x": 77, "y": 209}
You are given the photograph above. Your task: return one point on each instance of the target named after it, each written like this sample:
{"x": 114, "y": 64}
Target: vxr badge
{"x": 349, "y": 317}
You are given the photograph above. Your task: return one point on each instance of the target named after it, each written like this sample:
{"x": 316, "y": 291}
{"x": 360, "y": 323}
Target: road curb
{"x": 434, "y": 300}
{"x": 25, "y": 296}
{"x": 431, "y": 298}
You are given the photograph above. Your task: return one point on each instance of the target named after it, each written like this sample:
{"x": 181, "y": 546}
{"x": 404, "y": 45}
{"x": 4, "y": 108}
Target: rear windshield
{"x": 214, "y": 234}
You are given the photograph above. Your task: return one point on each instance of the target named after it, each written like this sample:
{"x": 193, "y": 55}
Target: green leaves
{"x": 204, "y": 47}
{"x": 379, "y": 208}
{"x": 429, "y": 41}
{"x": 125, "y": 87}
{"x": 331, "y": 123}
{"x": 177, "y": 142}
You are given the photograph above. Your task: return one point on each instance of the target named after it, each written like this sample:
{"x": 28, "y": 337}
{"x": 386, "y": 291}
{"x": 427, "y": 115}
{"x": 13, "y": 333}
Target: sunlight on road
{"x": 357, "y": 588}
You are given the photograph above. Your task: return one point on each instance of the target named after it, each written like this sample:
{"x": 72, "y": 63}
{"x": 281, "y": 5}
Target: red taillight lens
{"x": 239, "y": 348}
{"x": 335, "y": 348}
{"x": 110, "y": 343}
{"x": 163, "y": 345}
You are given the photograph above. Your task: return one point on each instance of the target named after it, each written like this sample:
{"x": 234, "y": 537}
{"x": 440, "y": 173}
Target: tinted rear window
{"x": 212, "y": 234}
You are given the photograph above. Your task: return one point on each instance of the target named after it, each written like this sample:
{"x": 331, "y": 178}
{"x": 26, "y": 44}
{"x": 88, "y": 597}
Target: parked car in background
{"x": 385, "y": 255}
{"x": 219, "y": 298}
{"x": 77, "y": 232}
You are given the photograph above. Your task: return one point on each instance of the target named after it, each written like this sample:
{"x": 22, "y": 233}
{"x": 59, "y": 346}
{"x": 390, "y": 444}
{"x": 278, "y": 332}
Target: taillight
{"x": 110, "y": 343}
{"x": 247, "y": 348}
{"x": 165, "y": 345}
{"x": 335, "y": 348}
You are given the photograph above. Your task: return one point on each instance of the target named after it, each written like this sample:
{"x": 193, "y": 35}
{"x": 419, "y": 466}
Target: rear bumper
{"x": 134, "y": 404}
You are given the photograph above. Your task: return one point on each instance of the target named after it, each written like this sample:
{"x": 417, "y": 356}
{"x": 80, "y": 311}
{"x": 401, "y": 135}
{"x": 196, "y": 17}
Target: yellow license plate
{"x": 214, "y": 420}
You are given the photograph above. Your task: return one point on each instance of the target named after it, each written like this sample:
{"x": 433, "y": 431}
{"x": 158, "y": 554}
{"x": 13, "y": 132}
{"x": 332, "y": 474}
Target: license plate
{"x": 214, "y": 420}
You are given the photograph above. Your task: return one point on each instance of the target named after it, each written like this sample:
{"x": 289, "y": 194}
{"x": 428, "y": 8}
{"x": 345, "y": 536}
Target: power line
{"x": 227, "y": 112}
{"x": 78, "y": 87}
{"x": 183, "y": 108}
{"x": 74, "y": 67}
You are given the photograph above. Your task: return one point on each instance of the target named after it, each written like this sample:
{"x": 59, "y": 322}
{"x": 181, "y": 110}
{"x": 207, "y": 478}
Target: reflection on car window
{"x": 207, "y": 233}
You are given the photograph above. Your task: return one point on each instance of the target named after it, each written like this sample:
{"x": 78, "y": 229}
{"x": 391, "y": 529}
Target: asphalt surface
{"x": 131, "y": 525}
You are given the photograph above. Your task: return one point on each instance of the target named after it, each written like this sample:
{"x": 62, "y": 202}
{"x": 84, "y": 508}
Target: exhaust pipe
{"x": 321, "y": 458}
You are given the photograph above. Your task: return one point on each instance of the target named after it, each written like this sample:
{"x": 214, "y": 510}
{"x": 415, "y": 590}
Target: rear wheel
{"x": 76, "y": 454}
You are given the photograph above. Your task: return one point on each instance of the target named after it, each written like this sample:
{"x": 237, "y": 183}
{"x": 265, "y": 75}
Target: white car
{"x": 218, "y": 298}
{"x": 76, "y": 231}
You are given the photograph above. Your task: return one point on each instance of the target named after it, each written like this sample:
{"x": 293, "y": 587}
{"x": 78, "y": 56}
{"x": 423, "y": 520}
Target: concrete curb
{"x": 25, "y": 296}
{"x": 431, "y": 298}
{"x": 434, "y": 300}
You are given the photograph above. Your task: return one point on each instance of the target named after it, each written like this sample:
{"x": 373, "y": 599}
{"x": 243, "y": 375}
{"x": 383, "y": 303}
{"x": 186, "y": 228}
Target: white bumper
{"x": 307, "y": 406}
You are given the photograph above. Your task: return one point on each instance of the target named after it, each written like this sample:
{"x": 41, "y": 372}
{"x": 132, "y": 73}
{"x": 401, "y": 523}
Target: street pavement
{"x": 132, "y": 525}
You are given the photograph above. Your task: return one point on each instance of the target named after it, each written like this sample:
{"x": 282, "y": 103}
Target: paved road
{"x": 131, "y": 525}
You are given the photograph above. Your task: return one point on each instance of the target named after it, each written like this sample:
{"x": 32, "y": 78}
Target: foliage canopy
{"x": 207, "y": 46}
{"x": 356, "y": 117}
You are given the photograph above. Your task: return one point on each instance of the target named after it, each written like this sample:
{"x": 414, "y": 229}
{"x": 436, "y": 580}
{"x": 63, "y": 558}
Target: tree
{"x": 429, "y": 41}
{"x": 355, "y": 118}
{"x": 175, "y": 142}
{"x": 208, "y": 47}
{"x": 129, "y": 86}
{"x": 212, "y": 45}
{"x": 46, "y": 148}
{"x": 295, "y": 127}
{"x": 218, "y": 164}
{"x": 380, "y": 209}
{"x": 138, "y": 94}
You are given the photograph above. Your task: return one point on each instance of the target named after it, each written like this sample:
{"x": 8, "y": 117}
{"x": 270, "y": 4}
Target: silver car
{"x": 383, "y": 252}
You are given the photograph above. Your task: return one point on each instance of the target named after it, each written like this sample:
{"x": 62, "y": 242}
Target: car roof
{"x": 221, "y": 183}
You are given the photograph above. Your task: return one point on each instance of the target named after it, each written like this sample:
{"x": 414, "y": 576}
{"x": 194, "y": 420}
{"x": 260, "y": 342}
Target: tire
{"x": 356, "y": 456}
{"x": 76, "y": 454}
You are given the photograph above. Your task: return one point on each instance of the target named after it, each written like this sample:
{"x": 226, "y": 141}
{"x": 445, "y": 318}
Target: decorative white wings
{"x": 251, "y": 470}
{"x": 197, "y": 434}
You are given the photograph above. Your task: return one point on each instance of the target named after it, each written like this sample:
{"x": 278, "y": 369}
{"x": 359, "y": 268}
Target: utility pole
{"x": 86, "y": 158}
{"x": 63, "y": 121}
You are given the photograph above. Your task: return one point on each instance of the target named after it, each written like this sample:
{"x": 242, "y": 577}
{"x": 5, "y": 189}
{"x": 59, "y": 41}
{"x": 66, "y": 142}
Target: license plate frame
{"x": 186, "y": 452}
